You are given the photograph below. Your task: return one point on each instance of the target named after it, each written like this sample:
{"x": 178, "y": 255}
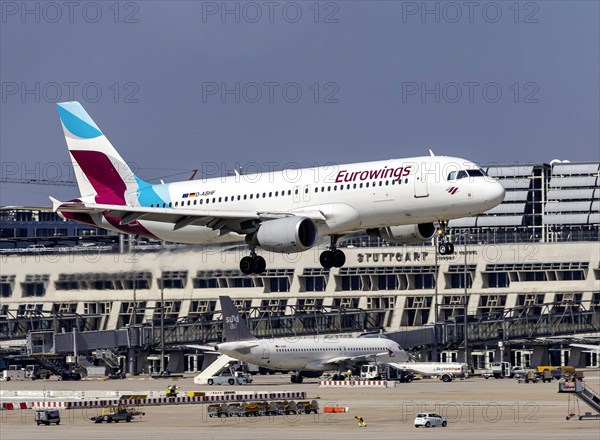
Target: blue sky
{"x": 183, "y": 85}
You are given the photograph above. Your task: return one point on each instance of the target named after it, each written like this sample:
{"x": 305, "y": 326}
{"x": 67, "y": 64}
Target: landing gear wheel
{"x": 327, "y": 259}
{"x": 443, "y": 248}
{"x": 450, "y": 248}
{"x": 299, "y": 379}
{"x": 260, "y": 265}
{"x": 247, "y": 265}
{"x": 332, "y": 257}
{"x": 339, "y": 258}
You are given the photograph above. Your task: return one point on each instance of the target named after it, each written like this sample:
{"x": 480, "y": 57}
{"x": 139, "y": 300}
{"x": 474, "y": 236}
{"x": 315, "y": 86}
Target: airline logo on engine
{"x": 382, "y": 173}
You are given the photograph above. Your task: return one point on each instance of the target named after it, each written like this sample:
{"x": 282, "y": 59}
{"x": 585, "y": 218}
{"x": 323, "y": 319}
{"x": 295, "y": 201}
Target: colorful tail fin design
{"x": 100, "y": 170}
{"x": 234, "y": 325}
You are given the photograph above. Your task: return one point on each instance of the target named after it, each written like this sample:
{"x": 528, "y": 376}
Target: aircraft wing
{"x": 346, "y": 360}
{"x": 26, "y": 208}
{"x": 224, "y": 220}
{"x": 200, "y": 347}
{"x": 587, "y": 347}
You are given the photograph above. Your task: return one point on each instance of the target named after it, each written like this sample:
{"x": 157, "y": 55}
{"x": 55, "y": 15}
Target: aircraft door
{"x": 265, "y": 350}
{"x": 421, "y": 183}
{"x": 297, "y": 193}
{"x": 306, "y": 193}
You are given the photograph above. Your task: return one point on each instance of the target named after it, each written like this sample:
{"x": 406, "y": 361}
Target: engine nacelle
{"x": 405, "y": 234}
{"x": 285, "y": 235}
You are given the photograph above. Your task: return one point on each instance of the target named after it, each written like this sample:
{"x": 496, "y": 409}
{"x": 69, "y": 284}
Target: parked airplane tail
{"x": 235, "y": 327}
{"x": 100, "y": 170}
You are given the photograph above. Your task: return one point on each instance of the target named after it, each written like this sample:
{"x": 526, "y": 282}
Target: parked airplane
{"x": 399, "y": 200}
{"x": 305, "y": 356}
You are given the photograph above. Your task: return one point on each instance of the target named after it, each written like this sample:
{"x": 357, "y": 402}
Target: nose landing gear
{"x": 333, "y": 257}
{"x": 445, "y": 247}
{"x": 253, "y": 264}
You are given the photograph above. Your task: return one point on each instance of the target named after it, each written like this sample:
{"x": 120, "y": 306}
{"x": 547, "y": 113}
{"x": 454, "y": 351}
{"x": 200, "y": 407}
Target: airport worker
{"x": 349, "y": 374}
{"x": 361, "y": 422}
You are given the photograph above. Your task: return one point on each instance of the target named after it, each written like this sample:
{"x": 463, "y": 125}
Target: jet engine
{"x": 285, "y": 235}
{"x": 405, "y": 234}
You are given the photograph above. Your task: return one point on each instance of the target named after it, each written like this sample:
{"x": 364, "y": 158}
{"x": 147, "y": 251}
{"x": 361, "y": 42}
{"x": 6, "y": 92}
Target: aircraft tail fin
{"x": 100, "y": 170}
{"x": 235, "y": 327}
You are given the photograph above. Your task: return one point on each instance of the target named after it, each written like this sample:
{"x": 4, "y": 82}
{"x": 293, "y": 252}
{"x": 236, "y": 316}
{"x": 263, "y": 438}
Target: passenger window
{"x": 176, "y": 203}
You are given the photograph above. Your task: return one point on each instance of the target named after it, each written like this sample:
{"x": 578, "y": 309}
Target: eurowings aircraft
{"x": 305, "y": 356}
{"x": 400, "y": 200}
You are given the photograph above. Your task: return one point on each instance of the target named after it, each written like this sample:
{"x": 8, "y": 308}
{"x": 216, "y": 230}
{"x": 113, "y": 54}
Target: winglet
{"x": 55, "y": 204}
{"x": 431, "y": 153}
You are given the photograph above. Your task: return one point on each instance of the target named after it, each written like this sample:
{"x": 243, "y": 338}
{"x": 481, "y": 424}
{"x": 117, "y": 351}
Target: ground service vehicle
{"x": 497, "y": 370}
{"x": 114, "y": 414}
{"x": 384, "y": 372}
{"x": 13, "y": 374}
{"x": 430, "y": 419}
{"x": 227, "y": 378}
{"x": 307, "y": 406}
{"x": 47, "y": 416}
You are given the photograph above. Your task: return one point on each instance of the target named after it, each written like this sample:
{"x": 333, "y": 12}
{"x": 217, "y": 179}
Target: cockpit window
{"x": 461, "y": 174}
{"x": 475, "y": 173}
{"x": 452, "y": 175}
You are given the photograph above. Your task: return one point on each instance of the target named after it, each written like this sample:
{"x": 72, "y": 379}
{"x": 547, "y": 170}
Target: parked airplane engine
{"x": 285, "y": 235}
{"x": 405, "y": 234}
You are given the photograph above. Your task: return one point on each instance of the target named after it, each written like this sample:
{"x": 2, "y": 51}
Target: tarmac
{"x": 476, "y": 408}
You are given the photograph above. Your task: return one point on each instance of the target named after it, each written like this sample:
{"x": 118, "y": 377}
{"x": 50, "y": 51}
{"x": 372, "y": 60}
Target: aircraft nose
{"x": 496, "y": 193}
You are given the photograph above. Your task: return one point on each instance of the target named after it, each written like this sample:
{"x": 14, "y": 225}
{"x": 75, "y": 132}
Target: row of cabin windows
{"x": 277, "y": 193}
{"x": 324, "y": 349}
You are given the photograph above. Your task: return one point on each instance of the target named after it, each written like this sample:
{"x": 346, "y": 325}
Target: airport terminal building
{"x": 526, "y": 275}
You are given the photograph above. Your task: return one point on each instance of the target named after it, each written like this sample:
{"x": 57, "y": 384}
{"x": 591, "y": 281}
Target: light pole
{"x": 435, "y": 353}
{"x": 466, "y": 304}
{"x": 162, "y": 325}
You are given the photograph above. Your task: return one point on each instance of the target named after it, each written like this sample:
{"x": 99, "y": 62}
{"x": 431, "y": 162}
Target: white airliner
{"x": 305, "y": 356}
{"x": 398, "y": 200}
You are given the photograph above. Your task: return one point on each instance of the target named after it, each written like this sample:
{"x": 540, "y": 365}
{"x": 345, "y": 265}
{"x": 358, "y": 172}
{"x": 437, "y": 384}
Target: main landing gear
{"x": 332, "y": 257}
{"x": 445, "y": 247}
{"x": 296, "y": 378}
{"x": 253, "y": 264}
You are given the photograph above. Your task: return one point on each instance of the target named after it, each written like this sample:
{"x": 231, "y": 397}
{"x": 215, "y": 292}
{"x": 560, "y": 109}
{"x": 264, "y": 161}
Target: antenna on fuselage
{"x": 431, "y": 153}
